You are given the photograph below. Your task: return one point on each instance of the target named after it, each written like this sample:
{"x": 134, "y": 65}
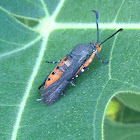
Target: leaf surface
{"x": 122, "y": 131}
{"x": 61, "y": 26}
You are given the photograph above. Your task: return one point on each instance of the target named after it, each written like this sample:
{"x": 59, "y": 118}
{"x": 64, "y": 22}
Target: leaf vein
{"x": 119, "y": 10}
{"x": 45, "y": 8}
{"x": 29, "y": 86}
{"x": 57, "y": 10}
{"x": 20, "y": 49}
{"x": 94, "y": 127}
{"x": 111, "y": 52}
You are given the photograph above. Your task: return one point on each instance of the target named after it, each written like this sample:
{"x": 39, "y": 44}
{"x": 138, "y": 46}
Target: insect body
{"x": 70, "y": 67}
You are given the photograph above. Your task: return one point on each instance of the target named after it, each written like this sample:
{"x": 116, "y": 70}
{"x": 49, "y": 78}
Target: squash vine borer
{"x": 70, "y": 67}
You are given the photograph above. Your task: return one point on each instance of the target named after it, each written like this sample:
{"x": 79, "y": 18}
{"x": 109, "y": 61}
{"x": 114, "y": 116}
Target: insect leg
{"x": 72, "y": 83}
{"x": 63, "y": 93}
{"x": 53, "y": 61}
{"x": 38, "y": 100}
{"x": 43, "y": 83}
{"x": 82, "y": 70}
{"x": 101, "y": 59}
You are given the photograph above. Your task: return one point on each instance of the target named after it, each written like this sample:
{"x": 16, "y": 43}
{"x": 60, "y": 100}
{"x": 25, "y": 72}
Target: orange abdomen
{"x": 57, "y": 71}
{"x": 86, "y": 63}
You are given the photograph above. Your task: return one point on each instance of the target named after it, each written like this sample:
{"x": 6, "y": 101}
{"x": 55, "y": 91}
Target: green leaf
{"x": 130, "y": 100}
{"x": 61, "y": 26}
{"x": 127, "y": 116}
{"x": 122, "y": 131}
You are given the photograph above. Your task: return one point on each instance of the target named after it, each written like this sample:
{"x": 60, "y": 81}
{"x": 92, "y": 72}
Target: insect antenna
{"x": 111, "y": 36}
{"x": 97, "y": 25}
